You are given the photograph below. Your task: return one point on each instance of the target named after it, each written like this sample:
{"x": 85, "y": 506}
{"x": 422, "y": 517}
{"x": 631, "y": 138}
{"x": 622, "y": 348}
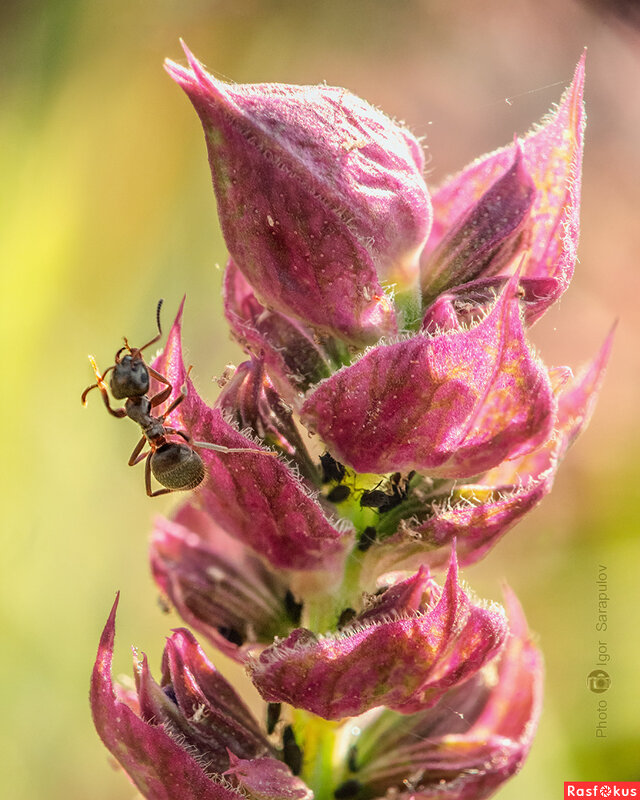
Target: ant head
{"x": 130, "y": 377}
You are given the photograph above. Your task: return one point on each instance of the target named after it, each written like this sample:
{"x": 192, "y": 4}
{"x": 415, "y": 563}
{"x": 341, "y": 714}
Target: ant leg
{"x": 163, "y": 395}
{"x": 173, "y": 406}
{"x": 147, "y": 480}
{"x": 179, "y": 398}
{"x": 176, "y": 432}
{"x": 135, "y": 457}
{"x": 220, "y": 448}
{"x": 116, "y": 412}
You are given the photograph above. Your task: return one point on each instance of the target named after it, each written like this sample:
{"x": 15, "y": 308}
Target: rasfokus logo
{"x": 598, "y": 789}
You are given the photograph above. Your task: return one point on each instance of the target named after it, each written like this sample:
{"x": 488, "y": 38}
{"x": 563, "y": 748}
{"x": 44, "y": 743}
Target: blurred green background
{"x": 107, "y": 206}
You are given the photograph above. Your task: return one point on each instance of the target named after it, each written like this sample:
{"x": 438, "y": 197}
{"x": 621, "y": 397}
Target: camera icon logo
{"x": 598, "y": 681}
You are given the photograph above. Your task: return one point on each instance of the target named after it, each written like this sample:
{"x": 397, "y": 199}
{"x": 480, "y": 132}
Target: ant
{"x": 385, "y": 501}
{"x": 175, "y": 465}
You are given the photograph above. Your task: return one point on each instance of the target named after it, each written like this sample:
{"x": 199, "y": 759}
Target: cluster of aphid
{"x": 176, "y": 465}
{"x": 394, "y": 491}
{"x": 397, "y": 487}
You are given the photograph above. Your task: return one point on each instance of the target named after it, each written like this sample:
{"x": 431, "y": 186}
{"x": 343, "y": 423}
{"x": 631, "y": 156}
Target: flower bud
{"x": 320, "y": 198}
{"x": 251, "y": 401}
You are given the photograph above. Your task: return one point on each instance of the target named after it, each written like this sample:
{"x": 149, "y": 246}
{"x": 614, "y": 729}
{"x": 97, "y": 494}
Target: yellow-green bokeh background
{"x": 106, "y": 206}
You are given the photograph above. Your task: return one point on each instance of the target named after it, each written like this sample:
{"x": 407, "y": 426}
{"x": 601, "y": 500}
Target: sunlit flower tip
{"x": 218, "y": 586}
{"x": 484, "y": 240}
{"x": 291, "y": 353}
{"x": 267, "y": 779}
{"x": 251, "y": 401}
{"x": 176, "y": 747}
{"x": 452, "y": 405}
{"x": 578, "y": 395}
{"x": 414, "y": 643}
{"x": 466, "y": 746}
{"x": 256, "y": 499}
{"x": 552, "y": 157}
{"x": 320, "y": 197}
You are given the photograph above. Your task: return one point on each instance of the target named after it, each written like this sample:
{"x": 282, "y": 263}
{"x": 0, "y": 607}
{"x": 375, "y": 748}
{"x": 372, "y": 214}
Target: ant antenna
{"x": 159, "y": 335}
{"x": 160, "y": 302}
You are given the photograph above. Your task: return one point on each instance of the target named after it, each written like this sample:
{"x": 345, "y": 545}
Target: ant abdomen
{"x": 177, "y": 466}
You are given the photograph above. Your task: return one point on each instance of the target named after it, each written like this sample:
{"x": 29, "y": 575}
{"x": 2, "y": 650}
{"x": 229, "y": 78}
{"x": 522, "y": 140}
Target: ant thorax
{"x": 139, "y": 410}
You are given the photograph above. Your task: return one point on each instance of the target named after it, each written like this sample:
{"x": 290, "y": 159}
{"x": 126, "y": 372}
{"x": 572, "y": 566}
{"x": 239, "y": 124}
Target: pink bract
{"x": 415, "y": 642}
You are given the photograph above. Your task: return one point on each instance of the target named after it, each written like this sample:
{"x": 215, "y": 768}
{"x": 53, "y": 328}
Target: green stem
{"x": 319, "y": 741}
{"x": 409, "y": 304}
{"x": 322, "y": 609}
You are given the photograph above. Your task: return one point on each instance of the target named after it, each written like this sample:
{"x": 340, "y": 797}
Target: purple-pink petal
{"x": 404, "y": 653}
{"x": 474, "y": 739}
{"x": 553, "y": 158}
{"x": 157, "y": 765}
{"x": 484, "y": 240}
{"x": 578, "y": 397}
{"x": 452, "y": 405}
{"x": 463, "y": 306}
{"x": 319, "y": 197}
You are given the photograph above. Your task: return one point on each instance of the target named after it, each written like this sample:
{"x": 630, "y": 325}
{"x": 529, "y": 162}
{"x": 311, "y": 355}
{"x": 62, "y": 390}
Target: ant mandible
{"x": 175, "y": 465}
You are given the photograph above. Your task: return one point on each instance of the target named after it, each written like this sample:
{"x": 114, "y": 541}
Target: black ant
{"x": 385, "y": 501}
{"x": 175, "y": 465}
